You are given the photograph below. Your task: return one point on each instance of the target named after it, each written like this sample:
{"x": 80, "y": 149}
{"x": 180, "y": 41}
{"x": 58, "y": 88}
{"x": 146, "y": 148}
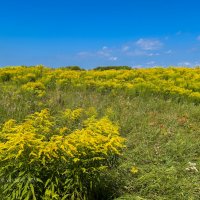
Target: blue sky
{"x": 90, "y": 33}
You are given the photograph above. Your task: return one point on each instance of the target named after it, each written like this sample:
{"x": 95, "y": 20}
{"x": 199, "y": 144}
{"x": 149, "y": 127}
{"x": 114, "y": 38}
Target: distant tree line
{"x": 102, "y": 68}
{"x": 99, "y": 68}
{"x": 77, "y": 68}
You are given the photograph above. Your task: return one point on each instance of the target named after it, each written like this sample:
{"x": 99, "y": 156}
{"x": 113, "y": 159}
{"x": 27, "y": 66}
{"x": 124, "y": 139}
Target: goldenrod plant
{"x": 40, "y": 159}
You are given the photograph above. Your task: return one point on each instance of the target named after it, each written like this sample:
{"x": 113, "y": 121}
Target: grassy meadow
{"x": 129, "y": 134}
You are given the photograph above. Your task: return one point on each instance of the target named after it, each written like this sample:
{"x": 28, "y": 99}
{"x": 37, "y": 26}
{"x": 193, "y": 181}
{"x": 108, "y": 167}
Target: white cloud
{"x": 189, "y": 64}
{"x": 113, "y": 58}
{"x": 151, "y": 63}
{"x": 137, "y": 52}
{"x": 140, "y": 48}
{"x": 179, "y": 33}
{"x": 153, "y": 54}
{"x": 168, "y": 52}
{"x": 103, "y": 53}
{"x": 84, "y": 54}
{"x": 149, "y": 44}
{"x": 197, "y": 63}
{"x": 125, "y": 48}
{"x": 185, "y": 63}
{"x": 104, "y": 47}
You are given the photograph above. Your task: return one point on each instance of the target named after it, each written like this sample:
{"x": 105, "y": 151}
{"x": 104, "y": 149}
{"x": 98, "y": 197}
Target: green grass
{"x": 162, "y": 137}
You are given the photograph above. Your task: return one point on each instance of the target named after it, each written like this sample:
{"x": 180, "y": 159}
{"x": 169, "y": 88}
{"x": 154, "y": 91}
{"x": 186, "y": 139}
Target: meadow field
{"x": 128, "y": 134}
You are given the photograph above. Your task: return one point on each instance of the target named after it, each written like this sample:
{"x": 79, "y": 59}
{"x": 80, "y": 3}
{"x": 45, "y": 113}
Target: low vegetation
{"x": 99, "y": 134}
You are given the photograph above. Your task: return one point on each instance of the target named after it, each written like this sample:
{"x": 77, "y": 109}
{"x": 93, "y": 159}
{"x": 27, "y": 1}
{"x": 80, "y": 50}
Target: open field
{"x": 156, "y": 111}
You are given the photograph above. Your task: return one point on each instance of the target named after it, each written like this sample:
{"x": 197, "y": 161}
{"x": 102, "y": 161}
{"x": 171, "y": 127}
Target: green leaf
{"x": 56, "y": 180}
{"x": 27, "y": 197}
{"x": 33, "y": 192}
{"x": 25, "y": 189}
{"x": 39, "y": 180}
{"x": 47, "y": 182}
{"x": 21, "y": 173}
{"x": 65, "y": 197}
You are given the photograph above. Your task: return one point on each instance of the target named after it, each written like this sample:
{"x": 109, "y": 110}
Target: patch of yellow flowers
{"x": 43, "y": 146}
{"x": 97, "y": 138}
{"x": 175, "y": 82}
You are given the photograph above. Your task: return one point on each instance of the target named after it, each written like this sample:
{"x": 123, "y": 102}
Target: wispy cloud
{"x": 105, "y": 53}
{"x": 104, "y": 47}
{"x": 153, "y": 54}
{"x": 149, "y": 44}
{"x": 189, "y": 64}
{"x": 197, "y": 63}
{"x": 168, "y": 52}
{"x": 151, "y": 63}
{"x": 138, "y": 49}
{"x": 179, "y": 33}
{"x": 84, "y": 54}
{"x": 185, "y": 63}
{"x": 138, "y": 52}
{"x": 135, "y": 52}
{"x": 113, "y": 58}
{"x": 125, "y": 48}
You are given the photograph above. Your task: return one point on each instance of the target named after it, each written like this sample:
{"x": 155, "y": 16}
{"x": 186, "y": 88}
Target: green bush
{"x": 102, "y": 68}
{"x": 76, "y": 68}
{"x": 4, "y": 77}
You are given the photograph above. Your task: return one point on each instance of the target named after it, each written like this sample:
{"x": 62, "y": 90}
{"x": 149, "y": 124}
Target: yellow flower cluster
{"x": 37, "y": 132}
{"x": 174, "y": 82}
{"x": 41, "y": 147}
{"x": 36, "y": 88}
